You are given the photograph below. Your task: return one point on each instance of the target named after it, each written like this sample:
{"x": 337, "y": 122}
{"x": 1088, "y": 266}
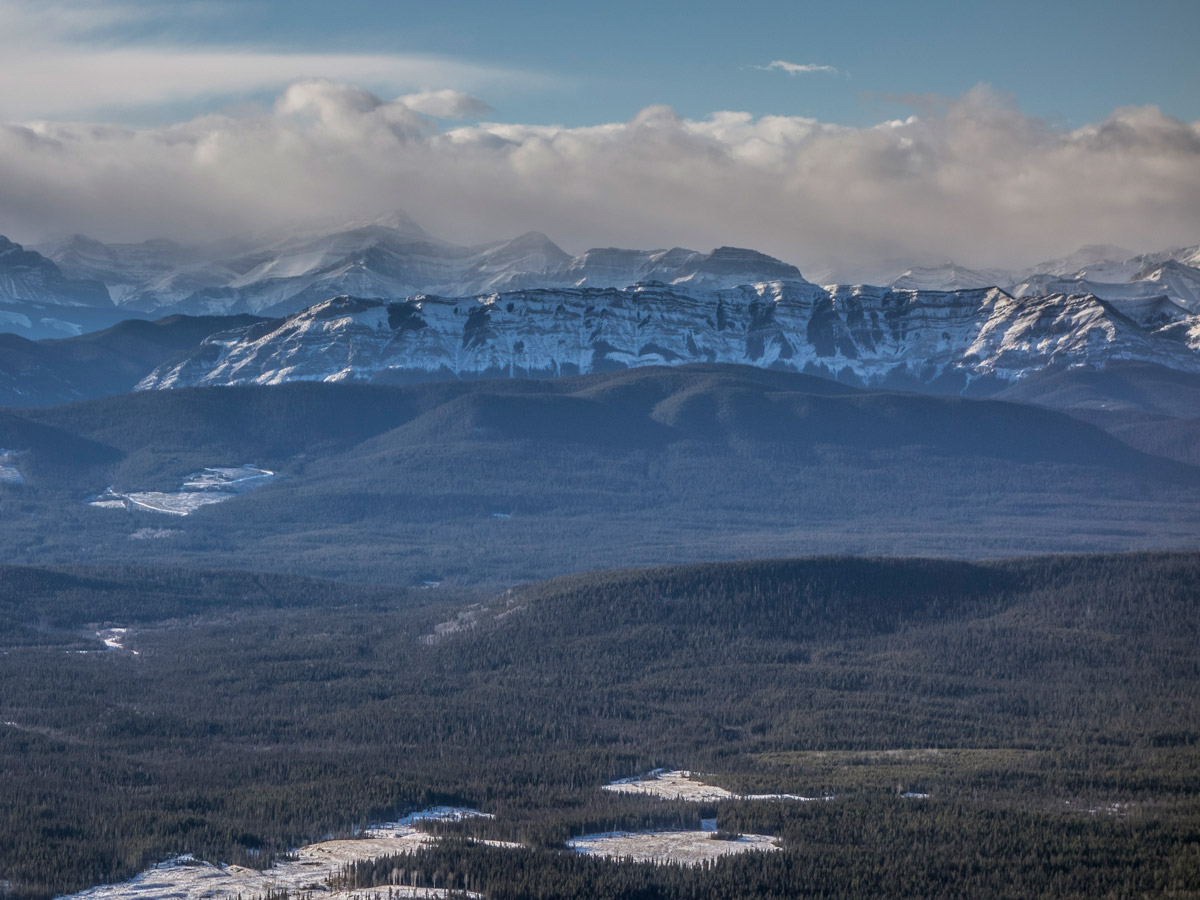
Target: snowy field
{"x": 187, "y": 878}
{"x": 687, "y": 848}
{"x": 679, "y": 785}
{"x": 309, "y": 869}
{"x": 208, "y": 486}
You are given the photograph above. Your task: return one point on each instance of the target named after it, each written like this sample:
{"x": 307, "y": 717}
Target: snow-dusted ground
{"x": 153, "y": 534}
{"x": 9, "y": 473}
{"x": 688, "y": 848}
{"x": 680, "y": 785}
{"x": 211, "y": 485}
{"x": 187, "y": 878}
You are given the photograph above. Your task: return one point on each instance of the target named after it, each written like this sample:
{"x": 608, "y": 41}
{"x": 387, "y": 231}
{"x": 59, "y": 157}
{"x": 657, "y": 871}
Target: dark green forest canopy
{"x": 1027, "y": 697}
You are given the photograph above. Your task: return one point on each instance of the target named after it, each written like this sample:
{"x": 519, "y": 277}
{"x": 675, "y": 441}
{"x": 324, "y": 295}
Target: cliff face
{"x": 867, "y": 335}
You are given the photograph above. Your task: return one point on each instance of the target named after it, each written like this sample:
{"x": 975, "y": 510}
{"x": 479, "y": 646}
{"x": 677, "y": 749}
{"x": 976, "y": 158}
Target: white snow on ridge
{"x": 681, "y": 785}
{"x": 208, "y": 486}
{"x": 867, "y": 334}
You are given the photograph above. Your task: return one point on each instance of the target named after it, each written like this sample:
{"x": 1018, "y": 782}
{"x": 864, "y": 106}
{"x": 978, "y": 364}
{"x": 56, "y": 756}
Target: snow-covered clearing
{"x": 114, "y": 638}
{"x": 208, "y": 486}
{"x": 187, "y": 878}
{"x": 688, "y": 848}
{"x": 680, "y": 785}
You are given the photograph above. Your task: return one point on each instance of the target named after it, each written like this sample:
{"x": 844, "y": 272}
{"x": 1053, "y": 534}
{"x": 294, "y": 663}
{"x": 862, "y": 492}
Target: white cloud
{"x": 796, "y": 68}
{"x": 446, "y": 104}
{"x": 979, "y": 181}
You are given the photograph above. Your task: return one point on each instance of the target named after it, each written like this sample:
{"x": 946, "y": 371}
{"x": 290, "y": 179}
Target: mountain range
{"x": 382, "y": 301}
{"x": 393, "y": 257}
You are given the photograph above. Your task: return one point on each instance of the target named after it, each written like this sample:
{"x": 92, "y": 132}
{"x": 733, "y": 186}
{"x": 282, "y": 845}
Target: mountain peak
{"x": 399, "y": 220}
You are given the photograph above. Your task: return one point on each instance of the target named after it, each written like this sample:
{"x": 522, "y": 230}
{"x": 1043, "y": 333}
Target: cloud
{"x": 796, "y": 68}
{"x": 70, "y": 59}
{"x": 979, "y": 181}
{"x": 446, "y": 104}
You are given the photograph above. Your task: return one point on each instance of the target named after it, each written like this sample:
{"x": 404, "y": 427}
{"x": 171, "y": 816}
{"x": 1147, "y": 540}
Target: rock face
{"x": 864, "y": 335}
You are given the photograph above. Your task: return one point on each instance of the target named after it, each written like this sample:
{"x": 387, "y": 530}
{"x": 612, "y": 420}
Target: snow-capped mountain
{"x": 38, "y": 300}
{"x": 389, "y": 258}
{"x": 394, "y": 257}
{"x": 864, "y": 334}
{"x": 28, "y": 277}
{"x": 949, "y": 277}
{"x": 143, "y": 276}
{"x": 1112, "y": 264}
{"x": 1108, "y": 272}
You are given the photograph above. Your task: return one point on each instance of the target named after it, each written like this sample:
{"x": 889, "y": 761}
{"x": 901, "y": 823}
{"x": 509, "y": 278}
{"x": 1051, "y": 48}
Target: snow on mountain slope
{"x": 38, "y": 300}
{"x": 1116, "y": 274}
{"x": 1091, "y": 260}
{"x": 949, "y": 277}
{"x": 1108, "y": 272}
{"x": 866, "y": 334}
{"x": 1174, "y": 279}
{"x": 371, "y": 262}
{"x": 389, "y": 258}
{"x": 1045, "y": 285}
{"x": 28, "y": 277}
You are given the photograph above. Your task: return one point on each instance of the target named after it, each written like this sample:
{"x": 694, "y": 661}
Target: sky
{"x": 832, "y": 134}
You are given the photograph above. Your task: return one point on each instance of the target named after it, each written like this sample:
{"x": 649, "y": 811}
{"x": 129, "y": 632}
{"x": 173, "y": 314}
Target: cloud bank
{"x": 979, "y": 181}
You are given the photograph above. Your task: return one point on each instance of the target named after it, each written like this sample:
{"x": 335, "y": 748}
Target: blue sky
{"x": 1070, "y": 60}
{"x": 584, "y": 63}
{"x": 834, "y": 135}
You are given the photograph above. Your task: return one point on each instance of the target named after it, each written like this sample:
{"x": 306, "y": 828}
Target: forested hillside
{"x": 496, "y": 482}
{"x": 1046, "y": 707}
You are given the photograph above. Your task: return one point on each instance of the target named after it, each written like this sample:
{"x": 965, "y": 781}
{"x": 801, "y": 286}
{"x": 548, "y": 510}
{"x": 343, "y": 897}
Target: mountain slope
{"x": 504, "y": 480}
{"x": 112, "y": 361}
{"x": 1149, "y": 407}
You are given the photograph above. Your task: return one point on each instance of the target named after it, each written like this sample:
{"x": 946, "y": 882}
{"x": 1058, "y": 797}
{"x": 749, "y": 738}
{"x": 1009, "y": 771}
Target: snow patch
{"x": 307, "y": 870}
{"x": 203, "y": 488}
{"x": 9, "y": 473}
{"x": 114, "y": 638}
{"x": 689, "y": 848}
{"x": 681, "y": 785}
{"x": 61, "y": 325}
{"x": 153, "y": 534}
{"x": 13, "y": 318}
